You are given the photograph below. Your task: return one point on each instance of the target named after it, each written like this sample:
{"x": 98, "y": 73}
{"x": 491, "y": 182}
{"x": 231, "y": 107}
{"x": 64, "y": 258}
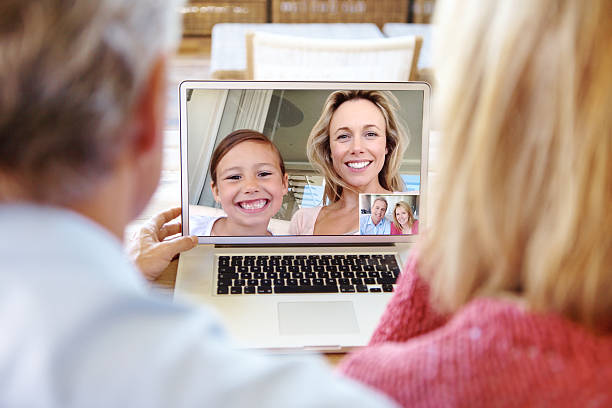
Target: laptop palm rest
{"x": 306, "y": 318}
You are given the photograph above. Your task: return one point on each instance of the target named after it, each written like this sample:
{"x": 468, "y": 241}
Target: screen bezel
{"x": 318, "y": 85}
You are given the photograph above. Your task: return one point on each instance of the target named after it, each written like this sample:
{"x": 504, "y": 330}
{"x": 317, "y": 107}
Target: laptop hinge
{"x": 381, "y": 244}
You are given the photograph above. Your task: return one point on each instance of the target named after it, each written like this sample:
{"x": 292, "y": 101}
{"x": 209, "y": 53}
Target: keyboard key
{"x": 242, "y": 269}
{"x": 323, "y": 275}
{"x": 305, "y": 289}
{"x": 347, "y": 289}
{"x": 357, "y": 281}
{"x": 292, "y": 282}
{"x": 226, "y": 275}
{"x": 252, "y": 282}
{"x": 258, "y": 275}
{"x": 361, "y": 288}
{"x": 278, "y": 282}
{"x": 310, "y": 275}
{"x": 297, "y": 275}
{"x": 317, "y": 282}
{"x": 284, "y": 275}
{"x": 348, "y": 275}
{"x": 246, "y": 275}
{"x": 224, "y": 282}
{"x": 375, "y": 290}
{"x": 343, "y": 281}
{"x": 239, "y": 282}
{"x": 385, "y": 281}
{"x": 387, "y": 288}
{"x": 266, "y": 282}
{"x": 236, "y": 290}
{"x": 249, "y": 289}
{"x": 369, "y": 281}
{"x": 264, "y": 289}
{"x": 305, "y": 282}
{"x": 271, "y": 275}
{"x": 222, "y": 290}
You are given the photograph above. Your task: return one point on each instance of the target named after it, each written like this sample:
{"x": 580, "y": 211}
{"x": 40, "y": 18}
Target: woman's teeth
{"x": 357, "y": 165}
{"x": 253, "y": 205}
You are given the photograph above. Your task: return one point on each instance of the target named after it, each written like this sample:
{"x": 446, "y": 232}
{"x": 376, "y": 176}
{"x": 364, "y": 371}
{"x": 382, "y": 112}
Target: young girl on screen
{"x": 248, "y": 179}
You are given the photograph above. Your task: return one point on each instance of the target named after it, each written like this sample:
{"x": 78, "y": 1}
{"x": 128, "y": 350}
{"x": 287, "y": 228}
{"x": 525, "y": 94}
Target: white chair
{"x": 284, "y": 57}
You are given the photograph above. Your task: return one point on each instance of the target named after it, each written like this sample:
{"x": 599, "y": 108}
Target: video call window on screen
{"x": 389, "y": 214}
{"x": 263, "y": 188}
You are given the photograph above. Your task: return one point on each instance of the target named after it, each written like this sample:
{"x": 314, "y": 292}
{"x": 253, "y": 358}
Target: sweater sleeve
{"x": 409, "y": 313}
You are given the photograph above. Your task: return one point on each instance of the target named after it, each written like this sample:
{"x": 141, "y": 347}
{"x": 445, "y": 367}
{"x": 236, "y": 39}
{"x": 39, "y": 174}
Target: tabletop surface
{"x": 228, "y": 47}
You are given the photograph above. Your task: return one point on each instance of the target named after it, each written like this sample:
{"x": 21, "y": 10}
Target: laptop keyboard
{"x": 288, "y": 274}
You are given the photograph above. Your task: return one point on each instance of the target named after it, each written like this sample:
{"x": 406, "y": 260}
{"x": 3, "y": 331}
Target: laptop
{"x": 282, "y": 291}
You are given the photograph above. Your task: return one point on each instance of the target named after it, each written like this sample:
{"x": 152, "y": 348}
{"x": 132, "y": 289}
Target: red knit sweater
{"x": 490, "y": 353}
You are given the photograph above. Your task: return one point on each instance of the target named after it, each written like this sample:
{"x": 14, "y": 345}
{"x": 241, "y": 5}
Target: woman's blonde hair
{"x": 526, "y": 172}
{"x": 319, "y": 152}
{"x": 406, "y": 207}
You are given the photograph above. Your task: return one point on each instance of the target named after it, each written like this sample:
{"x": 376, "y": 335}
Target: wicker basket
{"x": 422, "y": 11}
{"x": 199, "y": 17}
{"x": 340, "y": 11}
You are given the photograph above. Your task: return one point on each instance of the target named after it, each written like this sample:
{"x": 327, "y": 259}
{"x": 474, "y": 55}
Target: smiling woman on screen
{"x": 357, "y": 145}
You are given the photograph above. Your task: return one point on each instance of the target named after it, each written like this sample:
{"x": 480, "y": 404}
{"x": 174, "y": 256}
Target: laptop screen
{"x": 303, "y": 162}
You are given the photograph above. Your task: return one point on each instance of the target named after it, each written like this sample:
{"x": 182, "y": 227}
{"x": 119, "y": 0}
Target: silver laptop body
{"x": 285, "y": 112}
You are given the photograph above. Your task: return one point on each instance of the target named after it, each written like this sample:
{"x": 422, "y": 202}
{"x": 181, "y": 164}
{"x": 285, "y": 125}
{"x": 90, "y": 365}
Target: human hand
{"x": 150, "y": 248}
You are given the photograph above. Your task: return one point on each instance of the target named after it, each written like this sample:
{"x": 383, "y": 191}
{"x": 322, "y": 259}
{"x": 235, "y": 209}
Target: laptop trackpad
{"x": 300, "y": 318}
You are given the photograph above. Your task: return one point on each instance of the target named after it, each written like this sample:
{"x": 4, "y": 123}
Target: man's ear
{"x": 143, "y": 155}
{"x": 149, "y": 109}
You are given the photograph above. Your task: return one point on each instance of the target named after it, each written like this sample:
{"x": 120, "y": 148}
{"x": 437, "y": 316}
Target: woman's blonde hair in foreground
{"x": 406, "y": 207}
{"x": 525, "y": 90}
{"x": 319, "y": 152}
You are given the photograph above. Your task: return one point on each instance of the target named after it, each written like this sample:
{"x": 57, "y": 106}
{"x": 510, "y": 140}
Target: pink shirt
{"x": 413, "y": 230}
{"x": 303, "y": 221}
{"x": 492, "y": 352}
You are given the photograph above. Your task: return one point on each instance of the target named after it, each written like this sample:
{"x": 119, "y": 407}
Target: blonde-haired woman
{"x": 403, "y": 220}
{"x": 357, "y": 145}
{"x": 508, "y": 301}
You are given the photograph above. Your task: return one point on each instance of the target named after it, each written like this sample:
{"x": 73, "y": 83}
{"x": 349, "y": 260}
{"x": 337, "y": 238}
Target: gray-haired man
{"x": 81, "y": 107}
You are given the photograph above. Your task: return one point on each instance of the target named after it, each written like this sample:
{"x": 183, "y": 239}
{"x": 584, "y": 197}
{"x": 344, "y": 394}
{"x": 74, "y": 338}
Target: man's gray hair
{"x": 70, "y": 74}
